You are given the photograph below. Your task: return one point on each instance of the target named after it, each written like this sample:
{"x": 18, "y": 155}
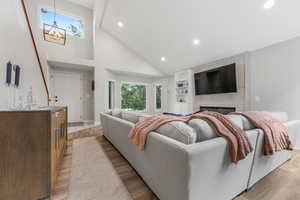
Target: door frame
{"x": 68, "y": 73}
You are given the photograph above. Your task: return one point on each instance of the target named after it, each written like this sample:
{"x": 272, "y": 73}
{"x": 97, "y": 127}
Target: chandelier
{"x": 53, "y": 33}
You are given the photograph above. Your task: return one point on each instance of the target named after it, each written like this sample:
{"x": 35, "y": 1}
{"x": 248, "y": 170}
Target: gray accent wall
{"x": 275, "y": 78}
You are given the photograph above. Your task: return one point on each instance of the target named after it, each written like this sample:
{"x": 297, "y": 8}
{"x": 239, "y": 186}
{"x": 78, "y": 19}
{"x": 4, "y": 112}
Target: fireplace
{"x": 223, "y": 110}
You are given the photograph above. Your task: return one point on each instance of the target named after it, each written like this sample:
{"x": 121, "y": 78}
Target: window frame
{"x": 113, "y": 94}
{"x": 40, "y": 22}
{"x": 155, "y": 108}
{"x": 135, "y": 83}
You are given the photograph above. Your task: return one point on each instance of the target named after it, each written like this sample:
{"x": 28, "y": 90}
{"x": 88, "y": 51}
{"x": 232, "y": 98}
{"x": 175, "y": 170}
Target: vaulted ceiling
{"x": 85, "y": 3}
{"x": 167, "y": 28}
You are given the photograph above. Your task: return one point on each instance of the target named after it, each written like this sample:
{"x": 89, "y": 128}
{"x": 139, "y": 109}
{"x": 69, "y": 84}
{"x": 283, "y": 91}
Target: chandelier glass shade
{"x": 55, "y": 34}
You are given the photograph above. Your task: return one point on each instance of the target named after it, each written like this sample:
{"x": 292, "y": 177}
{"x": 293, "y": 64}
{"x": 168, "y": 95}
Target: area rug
{"x": 93, "y": 176}
{"x": 133, "y": 182}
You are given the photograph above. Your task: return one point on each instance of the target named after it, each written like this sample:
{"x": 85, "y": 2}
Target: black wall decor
{"x": 8, "y": 73}
{"x": 17, "y": 75}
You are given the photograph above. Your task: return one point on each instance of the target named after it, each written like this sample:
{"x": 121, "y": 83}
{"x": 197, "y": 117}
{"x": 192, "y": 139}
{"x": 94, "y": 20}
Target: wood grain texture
{"x": 61, "y": 188}
{"x": 25, "y": 158}
{"x": 27, "y": 148}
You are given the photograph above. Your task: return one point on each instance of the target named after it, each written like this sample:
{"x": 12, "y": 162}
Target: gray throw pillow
{"x": 179, "y": 131}
{"x": 142, "y": 116}
{"x": 247, "y": 124}
{"x": 116, "y": 113}
{"x": 132, "y": 117}
{"x": 108, "y": 112}
{"x": 236, "y": 119}
{"x": 203, "y": 130}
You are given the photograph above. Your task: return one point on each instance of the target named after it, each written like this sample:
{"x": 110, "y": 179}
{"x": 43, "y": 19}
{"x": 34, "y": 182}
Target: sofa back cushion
{"x": 116, "y": 113}
{"x": 236, "y": 119}
{"x": 248, "y": 125}
{"x": 203, "y": 130}
{"x": 130, "y": 116}
{"x": 142, "y": 116}
{"x": 179, "y": 131}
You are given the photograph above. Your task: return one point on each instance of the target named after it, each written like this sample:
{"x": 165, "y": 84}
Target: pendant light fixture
{"x": 53, "y": 33}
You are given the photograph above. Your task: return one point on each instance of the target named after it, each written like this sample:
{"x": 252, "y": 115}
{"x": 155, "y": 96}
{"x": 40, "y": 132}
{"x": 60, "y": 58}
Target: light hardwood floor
{"x": 281, "y": 184}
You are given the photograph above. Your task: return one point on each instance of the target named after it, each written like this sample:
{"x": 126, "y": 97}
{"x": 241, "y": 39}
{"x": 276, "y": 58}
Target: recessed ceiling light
{"x": 196, "y": 41}
{"x": 269, "y": 4}
{"x": 163, "y": 59}
{"x": 120, "y": 24}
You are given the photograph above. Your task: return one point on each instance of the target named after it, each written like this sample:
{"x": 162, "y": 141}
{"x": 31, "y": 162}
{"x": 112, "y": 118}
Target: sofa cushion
{"x": 108, "y": 112}
{"x": 129, "y": 116}
{"x": 203, "y": 129}
{"x": 248, "y": 125}
{"x": 142, "y": 116}
{"x": 236, "y": 119}
{"x": 116, "y": 113}
{"x": 179, "y": 131}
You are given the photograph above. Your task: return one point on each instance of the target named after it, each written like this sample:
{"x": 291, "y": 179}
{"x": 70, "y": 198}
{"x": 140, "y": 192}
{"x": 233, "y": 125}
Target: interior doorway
{"x": 73, "y": 87}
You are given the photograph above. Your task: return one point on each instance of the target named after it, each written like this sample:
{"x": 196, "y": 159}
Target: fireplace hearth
{"x": 223, "y": 110}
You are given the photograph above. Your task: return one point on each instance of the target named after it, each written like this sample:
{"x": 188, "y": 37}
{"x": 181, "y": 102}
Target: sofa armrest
{"x": 163, "y": 165}
{"x": 294, "y": 132}
{"x": 212, "y": 175}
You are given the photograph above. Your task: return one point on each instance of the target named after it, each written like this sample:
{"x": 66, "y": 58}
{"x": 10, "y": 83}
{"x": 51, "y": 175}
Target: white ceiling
{"x": 85, "y": 3}
{"x": 156, "y": 28}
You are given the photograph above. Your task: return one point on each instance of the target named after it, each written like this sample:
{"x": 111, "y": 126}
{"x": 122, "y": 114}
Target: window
{"x": 111, "y": 94}
{"x": 72, "y": 25}
{"x": 158, "y": 97}
{"x": 133, "y": 96}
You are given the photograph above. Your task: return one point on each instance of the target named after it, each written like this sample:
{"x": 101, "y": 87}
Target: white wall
{"x": 275, "y": 78}
{"x": 187, "y": 106}
{"x": 75, "y": 47}
{"x": 16, "y": 46}
{"x": 171, "y": 105}
{"x": 111, "y": 54}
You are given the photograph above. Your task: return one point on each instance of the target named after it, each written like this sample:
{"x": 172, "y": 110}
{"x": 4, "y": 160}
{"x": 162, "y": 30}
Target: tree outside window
{"x": 133, "y": 97}
{"x": 158, "y": 96}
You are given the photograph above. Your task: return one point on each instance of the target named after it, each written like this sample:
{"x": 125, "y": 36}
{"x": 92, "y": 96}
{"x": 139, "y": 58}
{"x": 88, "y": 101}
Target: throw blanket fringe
{"x": 276, "y": 136}
{"x": 239, "y": 145}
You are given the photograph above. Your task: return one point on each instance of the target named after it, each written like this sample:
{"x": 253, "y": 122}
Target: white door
{"x": 67, "y": 88}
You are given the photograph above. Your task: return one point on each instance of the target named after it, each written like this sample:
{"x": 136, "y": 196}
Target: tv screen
{"x": 219, "y": 80}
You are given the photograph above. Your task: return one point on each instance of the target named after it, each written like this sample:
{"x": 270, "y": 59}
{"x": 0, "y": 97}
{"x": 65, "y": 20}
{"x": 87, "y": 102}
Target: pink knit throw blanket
{"x": 239, "y": 145}
{"x": 276, "y": 136}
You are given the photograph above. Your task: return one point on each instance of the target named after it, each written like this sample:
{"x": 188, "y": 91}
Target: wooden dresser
{"x": 32, "y": 145}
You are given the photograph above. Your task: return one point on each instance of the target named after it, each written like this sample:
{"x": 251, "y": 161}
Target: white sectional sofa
{"x": 179, "y": 170}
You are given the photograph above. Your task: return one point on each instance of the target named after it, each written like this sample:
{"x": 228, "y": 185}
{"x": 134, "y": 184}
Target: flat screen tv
{"x": 218, "y": 80}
